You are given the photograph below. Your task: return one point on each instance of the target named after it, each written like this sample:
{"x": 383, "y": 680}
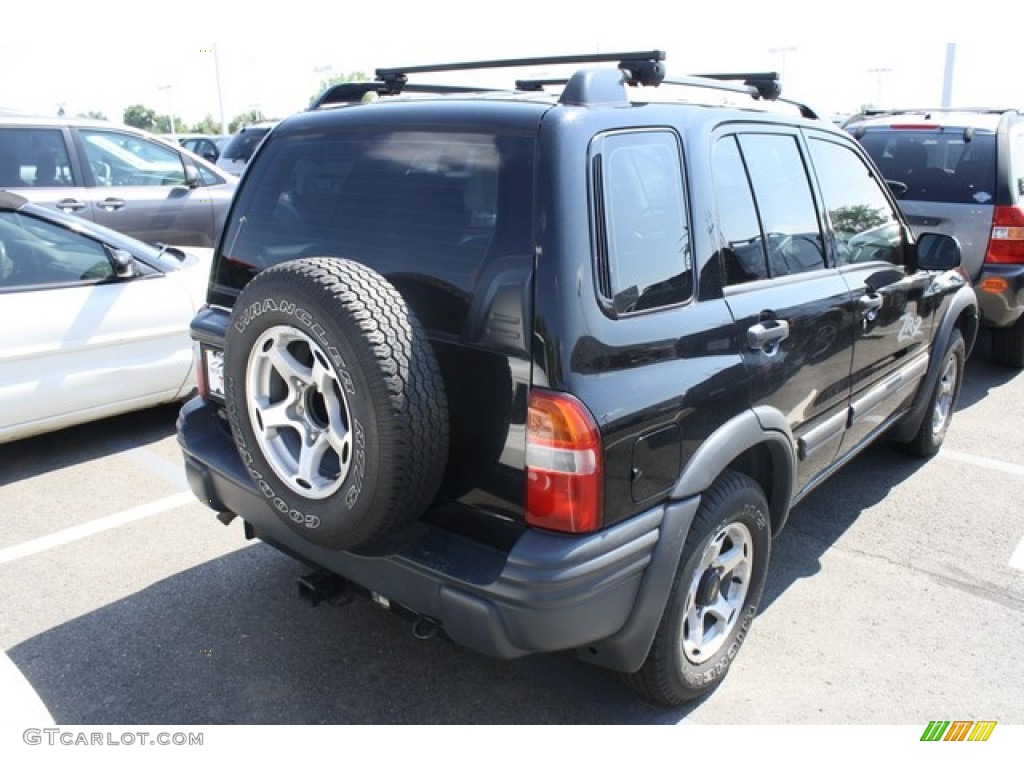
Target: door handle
{"x": 767, "y": 335}
{"x": 69, "y": 205}
{"x": 869, "y": 304}
{"x": 112, "y": 204}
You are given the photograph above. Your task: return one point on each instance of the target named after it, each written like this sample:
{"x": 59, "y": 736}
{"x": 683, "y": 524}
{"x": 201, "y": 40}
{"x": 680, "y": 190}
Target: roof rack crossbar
{"x": 388, "y": 73}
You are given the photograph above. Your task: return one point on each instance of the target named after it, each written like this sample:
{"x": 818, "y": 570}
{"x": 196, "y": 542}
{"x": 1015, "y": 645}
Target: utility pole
{"x": 947, "y": 80}
{"x": 220, "y": 95}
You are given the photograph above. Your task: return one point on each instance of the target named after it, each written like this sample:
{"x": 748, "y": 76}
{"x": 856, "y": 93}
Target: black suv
{"x": 548, "y": 370}
{"x": 961, "y": 171}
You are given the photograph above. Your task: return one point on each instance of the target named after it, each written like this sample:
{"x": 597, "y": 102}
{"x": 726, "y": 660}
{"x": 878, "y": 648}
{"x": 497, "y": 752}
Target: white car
{"x": 95, "y": 323}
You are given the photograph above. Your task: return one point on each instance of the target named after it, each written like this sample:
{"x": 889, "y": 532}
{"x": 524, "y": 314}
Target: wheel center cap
{"x": 709, "y": 588}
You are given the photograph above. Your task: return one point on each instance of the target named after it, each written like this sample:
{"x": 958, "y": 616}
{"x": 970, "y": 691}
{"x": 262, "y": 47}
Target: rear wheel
{"x": 715, "y": 595}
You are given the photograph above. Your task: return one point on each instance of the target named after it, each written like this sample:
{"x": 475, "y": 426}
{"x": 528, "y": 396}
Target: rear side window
{"x": 34, "y": 157}
{"x": 941, "y": 166}
{"x": 1017, "y": 165}
{"x": 644, "y": 241}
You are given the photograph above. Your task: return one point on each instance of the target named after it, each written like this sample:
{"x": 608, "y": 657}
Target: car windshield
{"x": 242, "y": 145}
{"x": 937, "y": 166}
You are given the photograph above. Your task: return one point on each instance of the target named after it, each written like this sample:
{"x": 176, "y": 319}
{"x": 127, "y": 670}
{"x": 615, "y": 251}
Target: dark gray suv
{"x": 117, "y": 176}
{"x": 961, "y": 171}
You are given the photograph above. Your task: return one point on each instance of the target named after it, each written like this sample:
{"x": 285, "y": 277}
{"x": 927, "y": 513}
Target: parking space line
{"x": 1006, "y": 467}
{"x": 60, "y": 538}
{"x": 1017, "y": 558}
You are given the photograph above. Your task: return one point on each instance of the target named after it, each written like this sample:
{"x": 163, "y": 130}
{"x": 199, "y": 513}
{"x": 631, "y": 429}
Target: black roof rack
{"x": 594, "y": 86}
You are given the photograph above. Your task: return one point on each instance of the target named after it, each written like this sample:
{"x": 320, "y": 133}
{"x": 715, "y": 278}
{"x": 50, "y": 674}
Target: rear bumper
{"x": 1000, "y": 307}
{"x": 602, "y": 594}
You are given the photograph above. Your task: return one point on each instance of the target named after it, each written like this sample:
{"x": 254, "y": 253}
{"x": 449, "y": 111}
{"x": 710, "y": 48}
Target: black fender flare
{"x": 757, "y": 426}
{"x": 964, "y": 304}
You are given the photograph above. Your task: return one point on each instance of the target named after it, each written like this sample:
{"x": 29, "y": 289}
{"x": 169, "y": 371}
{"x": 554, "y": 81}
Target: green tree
{"x": 207, "y": 125}
{"x": 244, "y": 119}
{"x": 93, "y": 115}
{"x": 857, "y": 218}
{"x": 140, "y": 116}
{"x": 327, "y": 82}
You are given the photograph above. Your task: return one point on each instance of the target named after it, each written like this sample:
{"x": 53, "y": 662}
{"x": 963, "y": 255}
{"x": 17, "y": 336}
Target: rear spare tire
{"x": 336, "y": 401}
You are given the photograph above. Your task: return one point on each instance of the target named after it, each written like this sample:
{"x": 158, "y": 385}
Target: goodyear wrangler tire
{"x": 715, "y": 596}
{"x": 336, "y": 401}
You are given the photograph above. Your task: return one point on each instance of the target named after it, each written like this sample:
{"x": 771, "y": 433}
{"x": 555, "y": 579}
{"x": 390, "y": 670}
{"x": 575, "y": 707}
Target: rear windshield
{"x": 936, "y": 166}
{"x": 431, "y": 204}
{"x": 243, "y": 144}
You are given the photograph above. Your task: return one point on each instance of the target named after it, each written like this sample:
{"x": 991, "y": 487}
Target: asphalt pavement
{"x": 895, "y": 597}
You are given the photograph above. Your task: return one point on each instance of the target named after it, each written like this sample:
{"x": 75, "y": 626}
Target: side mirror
{"x": 192, "y": 179}
{"x": 938, "y": 252}
{"x": 124, "y": 263}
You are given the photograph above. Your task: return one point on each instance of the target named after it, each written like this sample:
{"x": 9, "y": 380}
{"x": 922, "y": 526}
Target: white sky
{"x": 833, "y": 55}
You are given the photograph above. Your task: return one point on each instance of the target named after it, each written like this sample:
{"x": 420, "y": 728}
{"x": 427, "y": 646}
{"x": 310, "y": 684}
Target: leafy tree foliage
{"x": 140, "y": 116}
{"x": 327, "y": 82}
{"x": 246, "y": 118}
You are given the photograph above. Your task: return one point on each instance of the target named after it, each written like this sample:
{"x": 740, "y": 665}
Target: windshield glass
{"x": 936, "y": 166}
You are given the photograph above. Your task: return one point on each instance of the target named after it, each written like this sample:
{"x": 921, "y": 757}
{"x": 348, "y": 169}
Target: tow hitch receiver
{"x": 324, "y": 586}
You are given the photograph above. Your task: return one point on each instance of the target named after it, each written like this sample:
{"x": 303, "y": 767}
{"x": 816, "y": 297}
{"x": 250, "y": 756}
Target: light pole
{"x": 170, "y": 109}
{"x": 947, "y": 78}
{"x": 220, "y": 95}
{"x": 783, "y": 52}
{"x": 879, "y": 73}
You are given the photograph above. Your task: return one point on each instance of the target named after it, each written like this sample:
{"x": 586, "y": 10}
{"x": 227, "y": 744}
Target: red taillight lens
{"x": 564, "y": 468}
{"x": 1006, "y": 245}
{"x": 915, "y": 126}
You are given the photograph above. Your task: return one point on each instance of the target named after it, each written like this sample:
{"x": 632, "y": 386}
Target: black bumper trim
{"x": 551, "y": 592}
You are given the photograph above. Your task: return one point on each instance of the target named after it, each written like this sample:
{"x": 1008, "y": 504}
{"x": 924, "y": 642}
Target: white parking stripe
{"x": 1017, "y": 558}
{"x": 20, "y": 704}
{"x": 980, "y": 461}
{"x": 34, "y": 547}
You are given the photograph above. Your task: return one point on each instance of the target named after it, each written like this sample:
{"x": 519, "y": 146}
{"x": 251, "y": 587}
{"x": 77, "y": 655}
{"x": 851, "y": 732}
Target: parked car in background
{"x": 961, "y": 171}
{"x": 206, "y": 146}
{"x": 95, "y": 323}
{"x": 236, "y": 153}
{"x": 117, "y": 176}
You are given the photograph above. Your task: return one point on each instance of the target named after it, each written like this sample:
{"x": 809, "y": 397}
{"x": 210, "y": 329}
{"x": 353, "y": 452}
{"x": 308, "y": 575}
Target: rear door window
{"x": 767, "y": 216}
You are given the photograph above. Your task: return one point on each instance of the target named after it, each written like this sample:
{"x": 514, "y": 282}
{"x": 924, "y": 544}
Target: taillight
{"x": 564, "y": 468}
{"x": 1006, "y": 245}
{"x": 915, "y": 126}
{"x": 201, "y": 383}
